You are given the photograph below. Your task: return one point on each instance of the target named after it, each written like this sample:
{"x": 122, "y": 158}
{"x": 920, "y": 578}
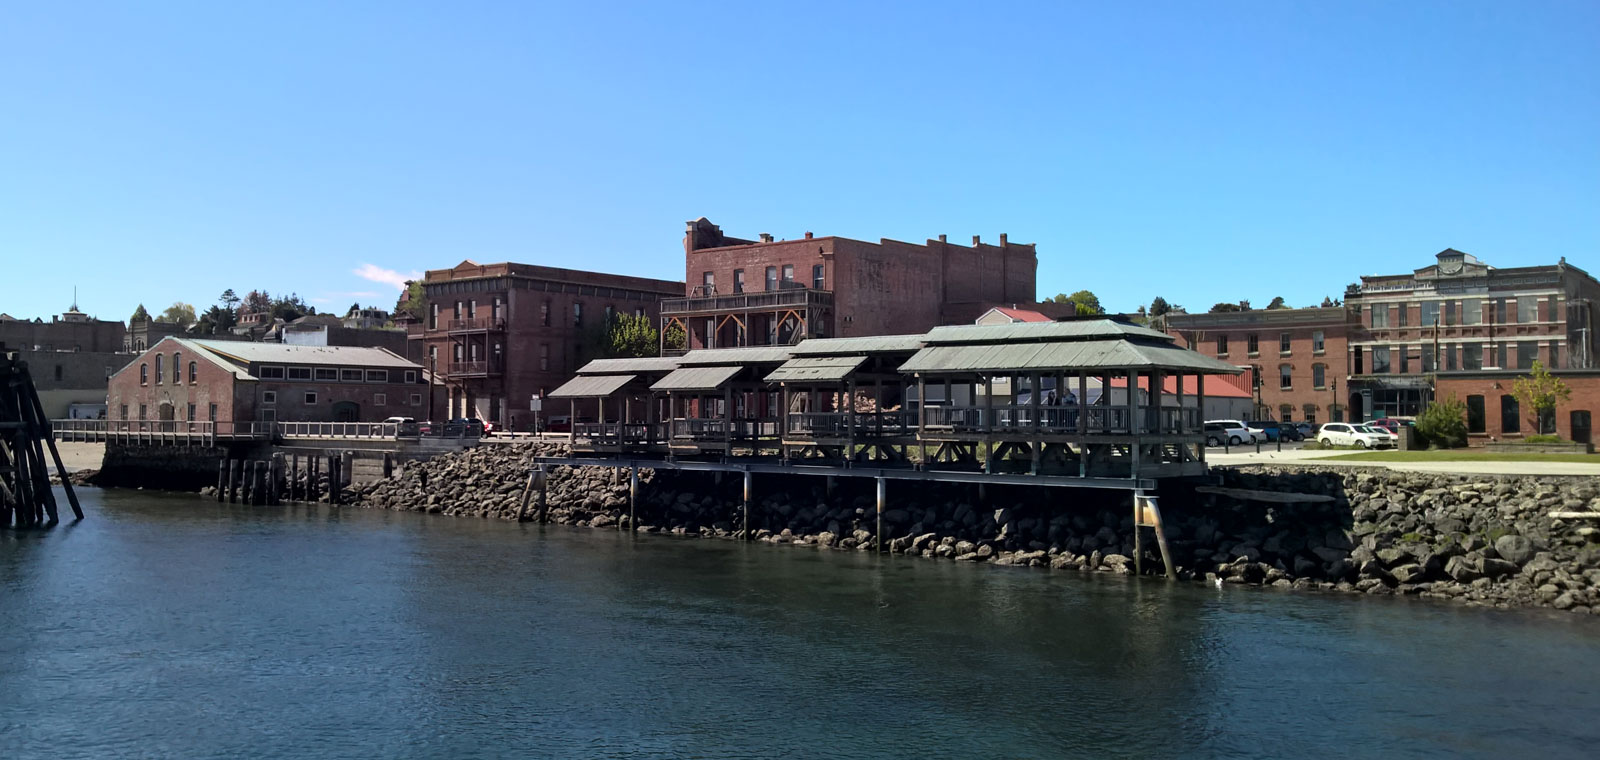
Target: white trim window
{"x": 411, "y": 376}
{"x": 299, "y": 373}
{"x": 380, "y": 399}
{"x": 311, "y": 398}
{"x": 416, "y": 399}
{"x": 271, "y": 373}
{"x": 348, "y": 375}
{"x": 268, "y": 398}
{"x": 377, "y": 376}
{"x": 327, "y": 373}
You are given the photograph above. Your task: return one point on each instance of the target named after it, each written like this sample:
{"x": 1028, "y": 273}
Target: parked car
{"x": 1255, "y": 433}
{"x": 559, "y": 424}
{"x": 404, "y": 426}
{"x": 1393, "y": 424}
{"x": 1307, "y": 430}
{"x": 1289, "y": 431}
{"x": 1394, "y": 437}
{"x": 1346, "y": 434}
{"x": 464, "y": 427}
{"x": 1218, "y": 433}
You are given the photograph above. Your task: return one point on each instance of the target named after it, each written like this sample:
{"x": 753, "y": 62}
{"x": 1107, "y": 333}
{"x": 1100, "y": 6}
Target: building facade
{"x": 498, "y": 335}
{"x": 70, "y": 331}
{"x": 1297, "y": 356}
{"x": 1495, "y": 414}
{"x": 72, "y": 384}
{"x": 770, "y": 292}
{"x": 1462, "y": 315}
{"x": 180, "y": 380}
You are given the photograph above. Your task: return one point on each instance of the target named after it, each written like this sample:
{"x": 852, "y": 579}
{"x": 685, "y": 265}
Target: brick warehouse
{"x": 763, "y": 292}
{"x": 1493, "y": 414}
{"x": 1299, "y": 355}
{"x": 499, "y": 334}
{"x": 180, "y": 380}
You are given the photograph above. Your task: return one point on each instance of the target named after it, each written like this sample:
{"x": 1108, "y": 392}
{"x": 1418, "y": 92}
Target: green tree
{"x": 179, "y": 313}
{"x": 1222, "y": 307}
{"x": 139, "y": 314}
{"x": 675, "y": 339}
{"x": 1277, "y": 303}
{"x": 1539, "y": 393}
{"x": 255, "y": 302}
{"x": 1086, "y": 302}
{"x": 411, "y": 299}
{"x": 1160, "y": 308}
{"x": 630, "y": 335}
{"x": 1443, "y": 423}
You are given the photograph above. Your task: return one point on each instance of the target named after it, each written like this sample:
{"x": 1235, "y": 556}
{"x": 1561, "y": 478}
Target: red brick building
{"x": 1462, "y": 315}
{"x": 765, "y": 292}
{"x": 1299, "y": 356}
{"x": 70, "y": 331}
{"x": 499, "y": 334}
{"x": 180, "y": 380}
{"x": 1494, "y": 414}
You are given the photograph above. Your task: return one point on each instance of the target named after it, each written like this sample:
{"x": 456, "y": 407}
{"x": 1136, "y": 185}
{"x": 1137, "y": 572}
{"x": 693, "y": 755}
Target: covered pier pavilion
{"x": 846, "y": 400}
{"x": 629, "y": 417}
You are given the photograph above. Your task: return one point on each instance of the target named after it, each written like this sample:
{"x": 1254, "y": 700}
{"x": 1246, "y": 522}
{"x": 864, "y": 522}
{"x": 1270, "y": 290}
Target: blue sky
{"x": 157, "y": 152}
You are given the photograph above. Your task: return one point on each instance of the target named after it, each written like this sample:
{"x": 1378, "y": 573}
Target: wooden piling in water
{"x": 883, "y": 495}
{"x": 222, "y": 479}
{"x": 544, "y": 495}
{"x": 749, "y": 486}
{"x": 27, "y": 498}
{"x": 633, "y": 500}
{"x": 233, "y": 481}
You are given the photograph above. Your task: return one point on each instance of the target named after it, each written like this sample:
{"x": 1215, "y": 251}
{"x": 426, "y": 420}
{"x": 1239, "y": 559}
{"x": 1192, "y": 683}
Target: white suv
{"x": 1343, "y": 434}
{"x": 1255, "y": 433}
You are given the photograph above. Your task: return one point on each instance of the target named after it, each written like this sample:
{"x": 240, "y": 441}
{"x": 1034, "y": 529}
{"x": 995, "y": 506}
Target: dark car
{"x": 1271, "y": 426}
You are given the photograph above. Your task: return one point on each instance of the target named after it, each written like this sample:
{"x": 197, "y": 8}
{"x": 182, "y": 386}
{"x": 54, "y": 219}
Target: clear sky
{"x": 1201, "y": 151}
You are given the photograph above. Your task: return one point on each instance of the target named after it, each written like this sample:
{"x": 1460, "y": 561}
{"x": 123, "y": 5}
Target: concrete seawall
{"x": 1485, "y": 540}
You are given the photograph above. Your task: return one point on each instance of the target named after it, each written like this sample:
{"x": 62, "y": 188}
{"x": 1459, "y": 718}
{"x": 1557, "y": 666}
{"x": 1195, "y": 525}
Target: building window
{"x": 818, "y": 281}
{"x": 269, "y": 397}
{"x": 1356, "y": 356}
{"x": 416, "y": 399}
{"x": 1510, "y": 415}
{"x": 456, "y": 315}
{"x": 122, "y": 412}
{"x": 191, "y": 413}
{"x": 380, "y": 399}
{"x": 788, "y": 275}
{"x": 211, "y": 413}
{"x": 1379, "y": 314}
{"x": 194, "y": 372}
{"x": 1251, "y": 345}
{"x": 1285, "y": 412}
{"x": 1380, "y": 360}
{"x": 472, "y": 309}
{"x": 708, "y": 283}
{"x": 270, "y": 373}
{"x": 544, "y": 313}
{"x": 772, "y": 278}
{"x": 58, "y": 373}
{"x": 1405, "y": 360}
{"x": 1527, "y": 352}
{"x": 141, "y": 411}
{"x": 1475, "y": 415}
{"x": 1500, "y": 355}
{"x": 1472, "y": 356}
{"x": 1283, "y": 343}
{"x": 1285, "y": 376}
{"x": 1428, "y": 364}
{"x": 544, "y": 357}
{"x": 1319, "y": 376}
{"x": 1500, "y": 311}
{"x": 1430, "y": 313}
{"x": 497, "y": 311}
{"x": 456, "y": 350}
{"x": 1449, "y": 312}
{"x": 328, "y": 373}
{"x": 1317, "y": 346}
{"x": 1309, "y": 411}
{"x": 738, "y": 280}
{"x": 611, "y": 313}
{"x": 411, "y": 376}
{"x": 1527, "y": 309}
{"x": 1222, "y": 345}
{"x": 577, "y": 313}
{"x": 638, "y": 311}
{"x": 311, "y": 398}
{"x": 144, "y": 374}
{"x": 377, "y": 376}
{"x": 349, "y": 375}
{"x": 1472, "y": 311}
{"x": 299, "y": 373}
{"x": 1402, "y": 315}
{"x": 160, "y": 360}
{"x": 177, "y": 368}
{"x": 1450, "y": 357}
{"x": 433, "y": 317}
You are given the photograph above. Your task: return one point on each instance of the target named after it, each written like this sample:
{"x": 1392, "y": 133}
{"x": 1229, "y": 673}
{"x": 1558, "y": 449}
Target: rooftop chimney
{"x": 1002, "y": 239}
{"x": 808, "y": 234}
{"x": 974, "y": 241}
{"x": 941, "y": 238}
{"x": 766, "y": 237}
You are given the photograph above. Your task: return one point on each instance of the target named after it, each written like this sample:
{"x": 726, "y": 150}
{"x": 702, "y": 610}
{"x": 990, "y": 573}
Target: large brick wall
{"x": 1494, "y": 386}
{"x": 1205, "y": 333}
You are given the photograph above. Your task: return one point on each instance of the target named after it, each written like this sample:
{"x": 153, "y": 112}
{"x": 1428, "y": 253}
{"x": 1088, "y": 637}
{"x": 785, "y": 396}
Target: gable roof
{"x": 1019, "y": 315}
{"x": 248, "y": 352}
{"x": 1087, "y": 329}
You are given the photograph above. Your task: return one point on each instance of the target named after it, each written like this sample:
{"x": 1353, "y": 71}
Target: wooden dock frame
{"x": 27, "y": 499}
{"x": 1147, "y": 514}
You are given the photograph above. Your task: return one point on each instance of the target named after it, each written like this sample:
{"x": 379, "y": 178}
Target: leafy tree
{"x": 179, "y": 313}
{"x": 675, "y": 338}
{"x": 1086, "y": 302}
{"x": 1159, "y": 307}
{"x": 1277, "y": 303}
{"x": 1222, "y": 307}
{"x": 1540, "y": 392}
{"x": 354, "y": 308}
{"x": 229, "y": 299}
{"x": 255, "y": 302}
{"x": 219, "y": 318}
{"x": 411, "y": 299}
{"x": 139, "y": 314}
{"x": 630, "y": 335}
{"x": 1443, "y": 423}
{"x": 290, "y": 308}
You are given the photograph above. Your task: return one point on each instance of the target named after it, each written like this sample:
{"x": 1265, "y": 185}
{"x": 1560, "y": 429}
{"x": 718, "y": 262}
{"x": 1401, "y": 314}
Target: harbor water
{"x": 172, "y": 626}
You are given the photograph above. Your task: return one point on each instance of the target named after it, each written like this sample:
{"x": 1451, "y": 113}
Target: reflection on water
{"x": 170, "y": 626}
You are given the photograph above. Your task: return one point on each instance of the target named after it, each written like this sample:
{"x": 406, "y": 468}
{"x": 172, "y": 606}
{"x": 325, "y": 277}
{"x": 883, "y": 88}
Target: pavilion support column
{"x": 1133, "y": 421}
{"x": 1034, "y": 411}
{"x": 988, "y": 423}
{"x": 883, "y": 493}
{"x": 749, "y": 489}
{"x": 922, "y": 421}
{"x": 850, "y": 420}
{"x": 1200, "y": 409}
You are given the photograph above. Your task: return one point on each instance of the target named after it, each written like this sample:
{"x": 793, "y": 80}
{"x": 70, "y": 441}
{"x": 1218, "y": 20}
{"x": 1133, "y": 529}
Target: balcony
{"x": 478, "y": 324}
{"x": 473, "y": 369}
{"x": 782, "y": 298}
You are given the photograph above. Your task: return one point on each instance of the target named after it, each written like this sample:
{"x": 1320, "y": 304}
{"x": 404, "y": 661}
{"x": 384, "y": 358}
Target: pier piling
{"x": 883, "y": 492}
{"x": 633, "y": 500}
{"x": 749, "y": 479}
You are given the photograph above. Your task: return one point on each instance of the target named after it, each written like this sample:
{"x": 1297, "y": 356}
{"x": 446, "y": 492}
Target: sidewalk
{"x": 1241, "y": 456}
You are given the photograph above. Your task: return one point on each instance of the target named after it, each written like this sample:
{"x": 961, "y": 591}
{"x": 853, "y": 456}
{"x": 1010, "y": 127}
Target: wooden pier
{"x": 27, "y": 499}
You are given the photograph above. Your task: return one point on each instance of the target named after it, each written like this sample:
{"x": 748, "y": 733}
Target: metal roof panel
{"x": 591, "y": 386}
{"x": 1090, "y": 329}
{"x": 863, "y": 345}
{"x": 1062, "y": 355}
{"x": 637, "y": 364}
{"x": 816, "y": 369}
{"x": 329, "y": 356}
{"x": 740, "y": 355}
{"x": 696, "y": 378}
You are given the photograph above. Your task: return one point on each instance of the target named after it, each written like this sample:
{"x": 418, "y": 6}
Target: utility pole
{"x": 433, "y": 364}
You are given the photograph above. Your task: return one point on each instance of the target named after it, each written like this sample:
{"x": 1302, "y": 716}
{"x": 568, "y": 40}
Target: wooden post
{"x": 543, "y": 485}
{"x": 47, "y": 433}
{"x": 1148, "y": 513}
{"x": 527, "y": 494}
{"x": 633, "y": 500}
{"x": 261, "y": 483}
{"x": 748, "y": 488}
{"x": 222, "y": 479}
{"x": 275, "y": 480}
{"x": 233, "y": 481}
{"x": 294, "y": 474}
{"x": 1138, "y": 515}
{"x": 883, "y": 486}
{"x": 313, "y": 477}
{"x": 1083, "y": 423}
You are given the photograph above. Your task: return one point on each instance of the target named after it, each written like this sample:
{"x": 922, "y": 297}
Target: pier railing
{"x": 839, "y": 424}
{"x": 187, "y": 432}
{"x": 1062, "y": 420}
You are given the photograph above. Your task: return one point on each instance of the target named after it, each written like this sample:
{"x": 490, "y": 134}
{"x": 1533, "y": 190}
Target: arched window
{"x": 1285, "y": 376}
{"x": 144, "y": 373}
{"x": 194, "y": 372}
{"x": 159, "y": 365}
{"x": 177, "y": 368}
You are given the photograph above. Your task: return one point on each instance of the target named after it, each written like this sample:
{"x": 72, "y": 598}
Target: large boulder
{"x": 1514, "y": 548}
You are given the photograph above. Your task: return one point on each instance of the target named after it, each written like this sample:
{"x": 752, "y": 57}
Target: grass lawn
{"x": 1462, "y": 456}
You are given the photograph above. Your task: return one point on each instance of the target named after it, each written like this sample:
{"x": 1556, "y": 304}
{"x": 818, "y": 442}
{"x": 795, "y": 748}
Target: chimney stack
{"x": 941, "y": 238}
{"x": 974, "y": 241}
{"x": 808, "y": 234}
{"x": 1002, "y": 239}
{"x": 766, "y": 237}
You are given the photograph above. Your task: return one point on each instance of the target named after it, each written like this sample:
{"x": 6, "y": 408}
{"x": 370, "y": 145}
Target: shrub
{"x": 1543, "y": 439}
{"x": 1444, "y": 423}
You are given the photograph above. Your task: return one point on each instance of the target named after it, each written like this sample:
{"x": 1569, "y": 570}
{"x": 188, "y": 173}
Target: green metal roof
{"x": 816, "y": 369}
{"x": 696, "y": 378}
{"x": 640, "y": 364}
{"x": 591, "y": 386}
{"x": 1090, "y": 329}
{"x": 740, "y": 355}
{"x": 1070, "y": 355}
{"x": 865, "y": 345}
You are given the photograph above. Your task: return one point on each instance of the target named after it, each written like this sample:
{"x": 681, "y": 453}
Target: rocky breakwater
{"x": 1484, "y": 541}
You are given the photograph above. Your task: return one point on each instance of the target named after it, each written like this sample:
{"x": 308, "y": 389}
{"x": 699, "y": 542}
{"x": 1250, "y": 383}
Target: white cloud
{"x": 376, "y": 273}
